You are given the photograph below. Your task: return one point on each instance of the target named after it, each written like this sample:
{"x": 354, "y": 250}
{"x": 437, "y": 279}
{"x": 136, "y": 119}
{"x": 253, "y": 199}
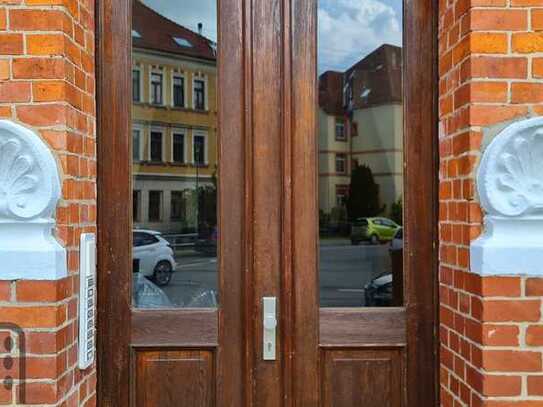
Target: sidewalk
{"x": 335, "y": 241}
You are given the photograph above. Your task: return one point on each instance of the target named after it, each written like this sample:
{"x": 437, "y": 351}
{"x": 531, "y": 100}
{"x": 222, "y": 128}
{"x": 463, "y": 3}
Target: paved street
{"x": 344, "y": 270}
{"x": 195, "y": 278}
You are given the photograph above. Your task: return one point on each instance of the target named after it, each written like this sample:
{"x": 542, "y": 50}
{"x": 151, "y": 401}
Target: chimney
{"x": 200, "y": 27}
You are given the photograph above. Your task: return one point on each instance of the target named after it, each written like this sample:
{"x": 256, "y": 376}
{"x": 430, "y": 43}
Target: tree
{"x": 396, "y": 211}
{"x": 363, "y": 200}
{"x": 207, "y": 205}
{"x": 207, "y": 208}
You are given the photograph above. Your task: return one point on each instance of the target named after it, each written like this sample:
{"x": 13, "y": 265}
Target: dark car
{"x": 381, "y": 291}
{"x": 207, "y": 245}
{"x": 378, "y": 292}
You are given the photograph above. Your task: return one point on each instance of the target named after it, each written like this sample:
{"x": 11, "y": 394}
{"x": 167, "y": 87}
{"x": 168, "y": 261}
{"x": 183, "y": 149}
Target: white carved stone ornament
{"x": 29, "y": 193}
{"x": 510, "y": 186}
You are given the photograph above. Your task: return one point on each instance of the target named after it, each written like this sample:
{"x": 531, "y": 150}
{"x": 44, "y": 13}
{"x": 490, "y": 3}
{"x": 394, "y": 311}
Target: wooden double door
{"x": 262, "y": 122}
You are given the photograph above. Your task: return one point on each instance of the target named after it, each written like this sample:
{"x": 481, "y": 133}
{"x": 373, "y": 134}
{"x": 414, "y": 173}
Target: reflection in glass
{"x": 360, "y": 153}
{"x": 174, "y": 137}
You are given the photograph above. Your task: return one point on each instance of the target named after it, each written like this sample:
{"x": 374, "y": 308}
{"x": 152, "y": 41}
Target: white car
{"x": 153, "y": 256}
{"x": 397, "y": 241}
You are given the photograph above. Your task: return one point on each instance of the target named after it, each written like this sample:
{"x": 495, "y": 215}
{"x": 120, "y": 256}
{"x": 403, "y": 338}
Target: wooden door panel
{"x": 179, "y": 328}
{"x": 265, "y": 106}
{"x": 362, "y": 378}
{"x": 168, "y": 357}
{"x": 269, "y": 229}
{"x": 387, "y": 357}
{"x": 300, "y": 226}
{"x": 180, "y": 378}
{"x": 355, "y": 327}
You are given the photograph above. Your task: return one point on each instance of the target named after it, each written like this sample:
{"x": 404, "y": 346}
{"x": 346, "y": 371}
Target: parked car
{"x": 396, "y": 261}
{"x": 397, "y": 241}
{"x": 153, "y": 256}
{"x": 378, "y": 292}
{"x": 374, "y": 230}
{"x": 208, "y": 245}
{"x": 146, "y": 294}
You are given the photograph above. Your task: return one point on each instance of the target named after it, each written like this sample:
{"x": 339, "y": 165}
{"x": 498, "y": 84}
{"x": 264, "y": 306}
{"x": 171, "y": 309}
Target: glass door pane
{"x": 175, "y": 160}
{"x": 360, "y": 153}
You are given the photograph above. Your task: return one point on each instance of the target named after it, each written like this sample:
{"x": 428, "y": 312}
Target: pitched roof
{"x": 331, "y": 92}
{"x": 377, "y": 78}
{"x": 153, "y": 31}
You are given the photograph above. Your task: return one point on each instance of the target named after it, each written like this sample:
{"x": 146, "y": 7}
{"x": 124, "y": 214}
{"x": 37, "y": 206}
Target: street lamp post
{"x": 197, "y": 163}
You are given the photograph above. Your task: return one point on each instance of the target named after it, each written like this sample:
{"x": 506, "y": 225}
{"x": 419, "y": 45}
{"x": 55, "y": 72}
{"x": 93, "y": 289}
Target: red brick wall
{"x": 491, "y": 328}
{"x": 47, "y": 83}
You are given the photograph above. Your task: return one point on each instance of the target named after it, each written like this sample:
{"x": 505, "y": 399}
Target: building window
{"x": 155, "y": 206}
{"x": 178, "y": 148}
{"x": 199, "y": 94}
{"x": 178, "y": 205}
{"x": 354, "y": 129}
{"x": 178, "y": 91}
{"x": 340, "y": 130}
{"x": 199, "y": 145}
{"x": 341, "y": 194}
{"x": 136, "y": 202}
{"x": 156, "y": 146}
{"x": 156, "y": 89}
{"x": 341, "y": 163}
{"x": 136, "y": 85}
{"x": 136, "y": 145}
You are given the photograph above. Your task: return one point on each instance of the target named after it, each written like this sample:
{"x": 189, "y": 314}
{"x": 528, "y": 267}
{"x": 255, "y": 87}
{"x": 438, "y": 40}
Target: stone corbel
{"x": 29, "y": 193}
{"x": 510, "y": 186}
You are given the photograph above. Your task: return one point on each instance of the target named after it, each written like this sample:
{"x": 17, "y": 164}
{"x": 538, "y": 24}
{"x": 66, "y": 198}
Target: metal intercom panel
{"x": 87, "y": 300}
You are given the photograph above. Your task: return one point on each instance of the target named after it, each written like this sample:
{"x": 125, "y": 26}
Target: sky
{"x": 348, "y": 29}
{"x": 351, "y": 29}
{"x": 189, "y": 13}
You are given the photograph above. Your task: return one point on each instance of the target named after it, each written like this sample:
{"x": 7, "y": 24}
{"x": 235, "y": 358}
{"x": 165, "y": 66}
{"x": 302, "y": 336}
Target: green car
{"x": 374, "y": 230}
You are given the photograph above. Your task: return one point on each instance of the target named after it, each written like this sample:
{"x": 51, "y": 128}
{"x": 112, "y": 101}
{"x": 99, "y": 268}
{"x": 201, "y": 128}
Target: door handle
{"x": 269, "y": 325}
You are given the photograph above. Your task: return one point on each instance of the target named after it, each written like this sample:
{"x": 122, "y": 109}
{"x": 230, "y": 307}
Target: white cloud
{"x": 350, "y": 29}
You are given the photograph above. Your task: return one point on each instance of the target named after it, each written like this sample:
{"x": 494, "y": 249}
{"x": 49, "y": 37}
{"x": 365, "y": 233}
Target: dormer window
{"x": 213, "y": 46}
{"x": 182, "y": 42}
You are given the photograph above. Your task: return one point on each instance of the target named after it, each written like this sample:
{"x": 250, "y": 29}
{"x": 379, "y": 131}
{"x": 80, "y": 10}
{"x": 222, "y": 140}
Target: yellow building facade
{"x": 174, "y": 133}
